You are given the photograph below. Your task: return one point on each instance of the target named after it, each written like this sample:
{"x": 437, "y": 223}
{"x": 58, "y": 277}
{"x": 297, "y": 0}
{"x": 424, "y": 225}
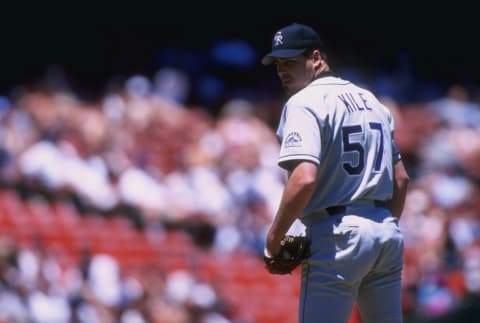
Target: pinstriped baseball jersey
{"x": 346, "y": 131}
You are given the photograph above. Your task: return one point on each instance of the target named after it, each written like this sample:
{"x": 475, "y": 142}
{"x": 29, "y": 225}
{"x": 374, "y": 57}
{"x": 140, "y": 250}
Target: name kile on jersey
{"x": 354, "y": 102}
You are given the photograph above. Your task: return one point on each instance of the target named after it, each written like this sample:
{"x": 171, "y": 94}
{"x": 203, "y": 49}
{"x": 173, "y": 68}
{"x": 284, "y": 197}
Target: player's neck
{"x": 324, "y": 73}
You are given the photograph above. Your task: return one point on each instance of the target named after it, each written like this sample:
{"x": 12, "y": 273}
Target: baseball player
{"x": 346, "y": 184}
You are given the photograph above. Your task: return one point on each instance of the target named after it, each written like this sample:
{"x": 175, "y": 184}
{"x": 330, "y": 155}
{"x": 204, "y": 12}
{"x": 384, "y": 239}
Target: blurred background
{"x": 138, "y": 168}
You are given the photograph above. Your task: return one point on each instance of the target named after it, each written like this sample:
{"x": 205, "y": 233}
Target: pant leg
{"x": 324, "y": 297}
{"x": 379, "y": 295}
{"x": 341, "y": 254}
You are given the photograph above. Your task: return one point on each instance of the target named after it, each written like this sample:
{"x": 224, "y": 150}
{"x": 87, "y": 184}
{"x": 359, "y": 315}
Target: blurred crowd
{"x": 142, "y": 154}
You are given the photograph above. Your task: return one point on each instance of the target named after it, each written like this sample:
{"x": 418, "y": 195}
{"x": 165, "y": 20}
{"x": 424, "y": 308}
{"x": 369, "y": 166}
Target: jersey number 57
{"x": 350, "y": 145}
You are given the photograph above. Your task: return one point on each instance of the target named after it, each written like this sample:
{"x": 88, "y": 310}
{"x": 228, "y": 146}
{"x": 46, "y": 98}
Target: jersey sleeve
{"x": 299, "y": 134}
{"x": 395, "y": 151}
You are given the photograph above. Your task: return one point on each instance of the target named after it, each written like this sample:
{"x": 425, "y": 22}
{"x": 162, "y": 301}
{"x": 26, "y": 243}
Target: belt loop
{"x": 336, "y": 209}
{"x": 379, "y": 203}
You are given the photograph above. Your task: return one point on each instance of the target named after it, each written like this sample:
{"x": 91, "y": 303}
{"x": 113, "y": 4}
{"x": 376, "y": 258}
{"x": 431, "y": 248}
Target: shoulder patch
{"x": 293, "y": 139}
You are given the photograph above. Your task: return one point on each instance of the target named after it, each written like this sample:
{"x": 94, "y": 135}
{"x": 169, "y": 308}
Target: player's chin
{"x": 287, "y": 87}
{"x": 290, "y": 89}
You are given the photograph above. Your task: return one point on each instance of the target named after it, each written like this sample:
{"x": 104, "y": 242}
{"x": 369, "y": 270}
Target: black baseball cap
{"x": 291, "y": 41}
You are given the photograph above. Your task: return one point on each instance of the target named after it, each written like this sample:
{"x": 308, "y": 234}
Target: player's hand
{"x": 293, "y": 250}
{"x": 272, "y": 246}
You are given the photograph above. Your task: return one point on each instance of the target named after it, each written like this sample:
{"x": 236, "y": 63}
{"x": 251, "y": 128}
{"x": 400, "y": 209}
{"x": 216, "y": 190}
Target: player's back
{"x": 355, "y": 157}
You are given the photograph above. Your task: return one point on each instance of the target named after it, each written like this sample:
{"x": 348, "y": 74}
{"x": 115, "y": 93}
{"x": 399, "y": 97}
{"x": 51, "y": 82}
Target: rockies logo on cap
{"x": 278, "y": 39}
{"x": 291, "y": 41}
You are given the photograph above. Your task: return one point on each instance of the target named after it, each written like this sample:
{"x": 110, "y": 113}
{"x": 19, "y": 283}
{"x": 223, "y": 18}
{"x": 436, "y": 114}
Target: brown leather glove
{"x": 294, "y": 249}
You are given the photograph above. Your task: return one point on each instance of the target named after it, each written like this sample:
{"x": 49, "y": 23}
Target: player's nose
{"x": 281, "y": 68}
{"x": 282, "y": 73}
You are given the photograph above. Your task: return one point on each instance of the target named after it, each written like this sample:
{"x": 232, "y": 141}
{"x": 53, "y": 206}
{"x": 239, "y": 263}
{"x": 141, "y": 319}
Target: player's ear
{"x": 316, "y": 55}
{"x": 317, "y": 58}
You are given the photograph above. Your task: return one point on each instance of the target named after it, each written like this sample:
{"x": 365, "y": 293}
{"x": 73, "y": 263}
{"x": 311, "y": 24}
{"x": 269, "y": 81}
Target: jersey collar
{"x": 325, "y": 74}
{"x": 324, "y": 77}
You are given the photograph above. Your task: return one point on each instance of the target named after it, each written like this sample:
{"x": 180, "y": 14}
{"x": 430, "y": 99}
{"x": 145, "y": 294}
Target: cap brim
{"x": 281, "y": 53}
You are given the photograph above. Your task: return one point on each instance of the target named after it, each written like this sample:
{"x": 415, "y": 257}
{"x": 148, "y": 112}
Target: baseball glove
{"x": 294, "y": 249}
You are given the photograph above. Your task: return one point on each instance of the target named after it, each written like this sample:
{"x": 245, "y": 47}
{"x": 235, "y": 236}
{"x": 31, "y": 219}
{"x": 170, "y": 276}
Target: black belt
{"x": 337, "y": 209}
